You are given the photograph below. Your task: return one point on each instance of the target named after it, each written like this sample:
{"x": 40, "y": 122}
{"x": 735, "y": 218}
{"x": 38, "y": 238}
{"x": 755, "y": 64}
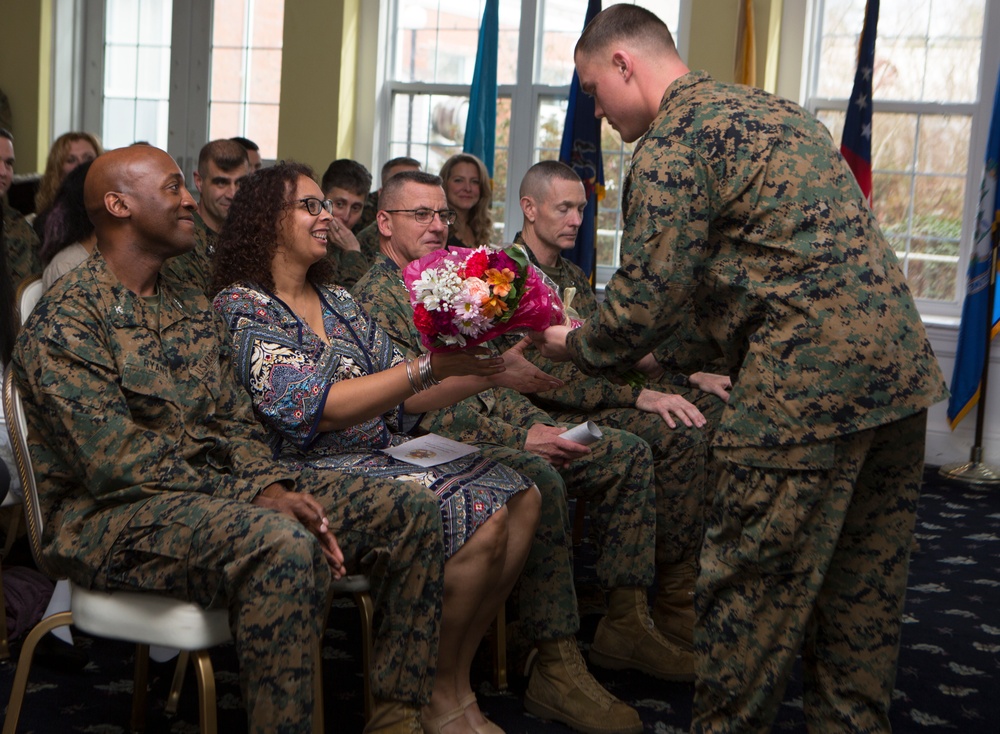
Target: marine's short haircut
{"x": 391, "y": 189}
{"x": 5, "y": 133}
{"x": 625, "y": 22}
{"x": 544, "y": 172}
{"x": 403, "y": 160}
{"x": 227, "y": 155}
{"x": 347, "y": 174}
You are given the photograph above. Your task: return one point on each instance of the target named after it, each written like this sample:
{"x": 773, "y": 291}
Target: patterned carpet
{"x": 949, "y": 669}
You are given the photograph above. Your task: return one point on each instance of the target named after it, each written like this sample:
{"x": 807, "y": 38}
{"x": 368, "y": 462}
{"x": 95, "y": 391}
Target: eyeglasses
{"x": 314, "y": 206}
{"x": 426, "y": 216}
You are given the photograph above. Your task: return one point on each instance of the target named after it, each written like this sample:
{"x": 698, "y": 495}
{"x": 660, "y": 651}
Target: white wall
{"x": 945, "y": 446}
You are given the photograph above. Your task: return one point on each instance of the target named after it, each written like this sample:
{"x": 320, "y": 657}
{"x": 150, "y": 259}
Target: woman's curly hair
{"x": 249, "y": 237}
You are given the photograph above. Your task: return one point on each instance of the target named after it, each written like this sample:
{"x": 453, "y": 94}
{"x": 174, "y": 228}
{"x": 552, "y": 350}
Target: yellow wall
{"x": 315, "y": 123}
{"x": 25, "y": 68}
{"x": 712, "y": 39}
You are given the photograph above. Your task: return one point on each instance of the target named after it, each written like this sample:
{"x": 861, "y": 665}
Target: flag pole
{"x": 975, "y": 471}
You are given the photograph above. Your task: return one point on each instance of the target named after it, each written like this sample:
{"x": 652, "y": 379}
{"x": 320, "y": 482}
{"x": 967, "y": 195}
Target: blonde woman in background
{"x": 467, "y": 187}
{"x": 68, "y": 151}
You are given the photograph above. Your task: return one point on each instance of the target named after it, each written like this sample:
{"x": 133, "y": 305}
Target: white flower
{"x": 437, "y": 287}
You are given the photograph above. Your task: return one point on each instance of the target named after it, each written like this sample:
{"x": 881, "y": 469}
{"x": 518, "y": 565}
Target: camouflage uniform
{"x": 741, "y": 215}
{"x": 22, "y": 245}
{"x": 615, "y": 479}
{"x": 367, "y": 213}
{"x": 679, "y": 454}
{"x": 195, "y": 267}
{"x": 133, "y": 399}
{"x": 348, "y": 265}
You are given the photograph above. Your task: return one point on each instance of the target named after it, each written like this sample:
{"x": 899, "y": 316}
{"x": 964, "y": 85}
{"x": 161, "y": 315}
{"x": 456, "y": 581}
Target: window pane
{"x": 119, "y": 123}
{"x": 120, "y": 64}
{"x": 155, "y": 22}
{"x": 944, "y": 143}
{"x": 153, "y": 73}
{"x": 893, "y": 142}
{"x": 121, "y": 21}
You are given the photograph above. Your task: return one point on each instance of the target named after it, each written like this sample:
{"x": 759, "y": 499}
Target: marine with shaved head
{"x": 152, "y": 472}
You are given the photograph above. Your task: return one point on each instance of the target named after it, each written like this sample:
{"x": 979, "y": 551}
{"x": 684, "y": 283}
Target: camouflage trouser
{"x": 680, "y": 469}
{"x": 392, "y": 531}
{"x": 615, "y": 479}
{"x": 263, "y": 566}
{"x": 814, "y": 556}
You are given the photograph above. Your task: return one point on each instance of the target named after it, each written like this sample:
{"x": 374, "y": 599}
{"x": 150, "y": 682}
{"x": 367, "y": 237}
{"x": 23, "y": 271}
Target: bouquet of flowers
{"x": 464, "y": 296}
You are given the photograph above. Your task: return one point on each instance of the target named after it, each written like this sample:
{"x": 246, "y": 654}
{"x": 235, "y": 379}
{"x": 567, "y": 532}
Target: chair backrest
{"x": 17, "y": 427}
{"x": 29, "y": 291}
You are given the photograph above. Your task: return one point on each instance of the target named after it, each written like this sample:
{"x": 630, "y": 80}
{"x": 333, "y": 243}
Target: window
{"x": 246, "y": 71}
{"x": 929, "y": 97}
{"x": 136, "y": 72}
{"x": 177, "y": 73}
{"x": 433, "y": 54}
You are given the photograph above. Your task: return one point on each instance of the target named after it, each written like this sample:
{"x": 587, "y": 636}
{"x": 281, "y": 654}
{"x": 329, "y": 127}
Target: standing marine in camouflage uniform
{"x": 614, "y": 477}
{"x": 677, "y": 429}
{"x": 741, "y": 214}
{"x": 22, "y": 242}
{"x": 154, "y": 474}
{"x": 222, "y": 165}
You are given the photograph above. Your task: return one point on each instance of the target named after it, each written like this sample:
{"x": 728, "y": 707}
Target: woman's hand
{"x": 477, "y": 361}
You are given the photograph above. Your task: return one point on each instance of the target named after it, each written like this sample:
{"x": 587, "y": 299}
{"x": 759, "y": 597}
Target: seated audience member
{"x": 153, "y": 472}
{"x": 222, "y": 166}
{"x": 366, "y": 228}
{"x": 333, "y": 391}
{"x": 676, "y": 422}
{"x": 613, "y": 475}
{"x": 69, "y": 234}
{"x": 22, "y": 243}
{"x": 470, "y": 194}
{"x": 345, "y": 183}
{"x": 253, "y": 152}
{"x": 67, "y": 152}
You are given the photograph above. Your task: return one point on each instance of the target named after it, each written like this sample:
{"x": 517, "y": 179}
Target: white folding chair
{"x": 28, "y": 292}
{"x": 143, "y": 618}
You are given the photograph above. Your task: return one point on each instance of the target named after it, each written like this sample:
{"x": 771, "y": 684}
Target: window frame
{"x": 944, "y": 312}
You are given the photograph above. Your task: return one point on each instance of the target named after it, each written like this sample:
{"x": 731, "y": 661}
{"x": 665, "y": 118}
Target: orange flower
{"x": 500, "y": 280}
{"x": 493, "y": 307}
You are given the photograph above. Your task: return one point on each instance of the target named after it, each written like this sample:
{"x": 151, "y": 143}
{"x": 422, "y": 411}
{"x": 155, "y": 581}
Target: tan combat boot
{"x": 673, "y": 607}
{"x": 627, "y": 638}
{"x": 560, "y": 688}
{"x": 394, "y": 717}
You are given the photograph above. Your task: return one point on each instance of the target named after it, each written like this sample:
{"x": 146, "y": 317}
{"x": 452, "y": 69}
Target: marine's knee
{"x": 292, "y": 557}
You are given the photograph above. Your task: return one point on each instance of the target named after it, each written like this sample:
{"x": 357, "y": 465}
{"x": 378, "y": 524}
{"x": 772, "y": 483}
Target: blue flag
{"x": 581, "y": 151}
{"x": 481, "y": 124}
{"x": 856, "y": 142}
{"x": 978, "y": 326}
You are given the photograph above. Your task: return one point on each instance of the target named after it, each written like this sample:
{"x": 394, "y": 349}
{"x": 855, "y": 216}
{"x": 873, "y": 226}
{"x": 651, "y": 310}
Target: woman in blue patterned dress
{"x": 332, "y": 391}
